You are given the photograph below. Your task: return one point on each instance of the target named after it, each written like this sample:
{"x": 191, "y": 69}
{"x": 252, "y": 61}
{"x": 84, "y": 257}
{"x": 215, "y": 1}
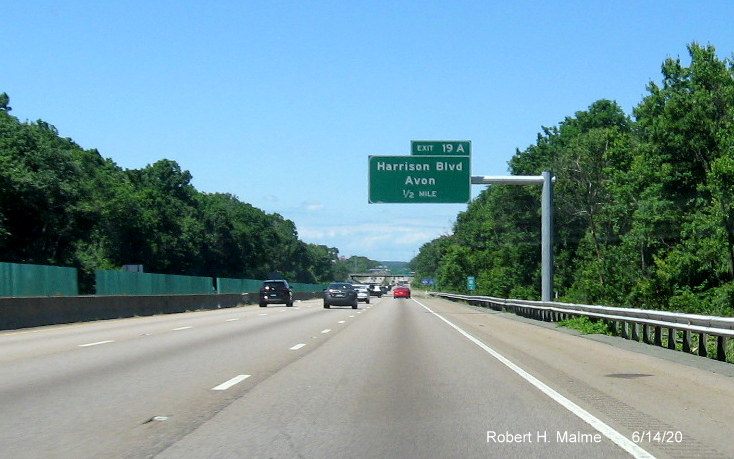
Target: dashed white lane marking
{"x": 297, "y": 347}
{"x": 326, "y": 331}
{"x": 182, "y": 328}
{"x": 97, "y": 343}
{"x": 352, "y": 315}
{"x": 342, "y": 321}
{"x": 231, "y": 320}
{"x": 620, "y": 440}
{"x": 231, "y": 382}
{"x": 263, "y": 314}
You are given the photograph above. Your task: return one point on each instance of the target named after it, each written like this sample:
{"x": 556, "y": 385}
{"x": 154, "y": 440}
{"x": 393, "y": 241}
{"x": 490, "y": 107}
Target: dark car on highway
{"x": 376, "y": 290}
{"x": 340, "y": 294}
{"x": 276, "y": 292}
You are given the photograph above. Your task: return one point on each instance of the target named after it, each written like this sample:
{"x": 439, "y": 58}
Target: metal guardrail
{"x": 626, "y": 322}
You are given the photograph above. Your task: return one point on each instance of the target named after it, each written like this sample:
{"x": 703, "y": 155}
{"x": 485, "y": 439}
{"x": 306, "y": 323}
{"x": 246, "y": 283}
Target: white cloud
{"x": 312, "y": 206}
{"x": 417, "y": 237}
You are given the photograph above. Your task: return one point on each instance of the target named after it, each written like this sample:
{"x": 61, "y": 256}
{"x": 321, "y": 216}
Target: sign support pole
{"x": 547, "y": 239}
{"x": 546, "y": 209}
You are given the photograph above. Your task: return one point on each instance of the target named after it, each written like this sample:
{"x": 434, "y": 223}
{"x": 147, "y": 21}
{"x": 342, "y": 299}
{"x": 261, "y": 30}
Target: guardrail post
{"x": 658, "y": 339}
{"x": 672, "y": 338}
{"x": 645, "y": 333}
{"x": 635, "y": 331}
{"x": 615, "y": 326}
{"x": 702, "y": 340}
{"x": 721, "y": 348}
{"x": 687, "y": 347}
{"x": 625, "y": 332}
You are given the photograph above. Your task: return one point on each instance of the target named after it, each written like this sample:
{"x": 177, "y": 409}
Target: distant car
{"x": 340, "y": 294}
{"x": 401, "y": 292}
{"x": 276, "y": 292}
{"x": 363, "y": 292}
{"x": 376, "y": 290}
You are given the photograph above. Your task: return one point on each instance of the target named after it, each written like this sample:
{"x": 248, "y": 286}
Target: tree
{"x": 60, "y": 204}
{"x": 644, "y": 209}
{"x": 685, "y": 127}
{"x": 454, "y": 268}
{"x": 4, "y": 101}
{"x": 39, "y": 197}
{"x": 426, "y": 263}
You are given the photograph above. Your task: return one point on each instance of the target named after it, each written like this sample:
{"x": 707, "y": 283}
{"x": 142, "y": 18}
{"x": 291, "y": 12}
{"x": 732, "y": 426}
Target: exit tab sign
{"x": 441, "y": 147}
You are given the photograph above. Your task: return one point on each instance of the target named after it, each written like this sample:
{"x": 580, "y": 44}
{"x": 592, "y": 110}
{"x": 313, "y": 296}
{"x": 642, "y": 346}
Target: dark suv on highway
{"x": 340, "y": 294}
{"x": 275, "y": 291}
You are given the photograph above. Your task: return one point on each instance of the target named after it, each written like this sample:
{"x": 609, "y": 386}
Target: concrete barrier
{"x": 25, "y": 312}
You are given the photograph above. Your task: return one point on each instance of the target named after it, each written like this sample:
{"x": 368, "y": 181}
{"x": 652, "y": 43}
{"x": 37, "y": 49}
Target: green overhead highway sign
{"x": 441, "y": 147}
{"x": 419, "y": 179}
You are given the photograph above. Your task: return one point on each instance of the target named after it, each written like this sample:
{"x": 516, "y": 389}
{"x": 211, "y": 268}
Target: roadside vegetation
{"x": 66, "y": 206}
{"x": 586, "y": 326}
{"x": 644, "y": 204}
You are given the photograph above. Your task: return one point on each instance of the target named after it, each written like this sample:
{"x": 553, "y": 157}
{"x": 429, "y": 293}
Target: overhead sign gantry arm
{"x": 546, "y": 180}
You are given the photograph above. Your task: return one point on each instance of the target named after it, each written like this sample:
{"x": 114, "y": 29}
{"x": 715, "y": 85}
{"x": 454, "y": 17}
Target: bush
{"x": 586, "y": 326}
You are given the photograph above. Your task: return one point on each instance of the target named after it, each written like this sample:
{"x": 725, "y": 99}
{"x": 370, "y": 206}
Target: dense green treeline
{"x": 644, "y": 206}
{"x": 63, "y": 205}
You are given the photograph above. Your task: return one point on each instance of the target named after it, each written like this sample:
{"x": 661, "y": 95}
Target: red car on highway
{"x": 401, "y": 292}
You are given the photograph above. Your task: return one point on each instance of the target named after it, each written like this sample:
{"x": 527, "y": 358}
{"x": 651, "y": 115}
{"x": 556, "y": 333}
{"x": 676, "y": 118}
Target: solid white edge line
{"x": 97, "y": 343}
{"x": 231, "y": 382}
{"x": 297, "y": 347}
{"x": 620, "y": 440}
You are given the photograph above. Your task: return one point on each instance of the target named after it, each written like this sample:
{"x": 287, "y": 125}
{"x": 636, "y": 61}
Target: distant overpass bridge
{"x": 382, "y": 277}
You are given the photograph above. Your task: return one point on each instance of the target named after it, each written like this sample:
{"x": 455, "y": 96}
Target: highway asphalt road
{"x": 417, "y": 378}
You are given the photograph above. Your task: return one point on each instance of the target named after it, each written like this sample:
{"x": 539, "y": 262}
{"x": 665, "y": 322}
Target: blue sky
{"x": 281, "y": 102}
